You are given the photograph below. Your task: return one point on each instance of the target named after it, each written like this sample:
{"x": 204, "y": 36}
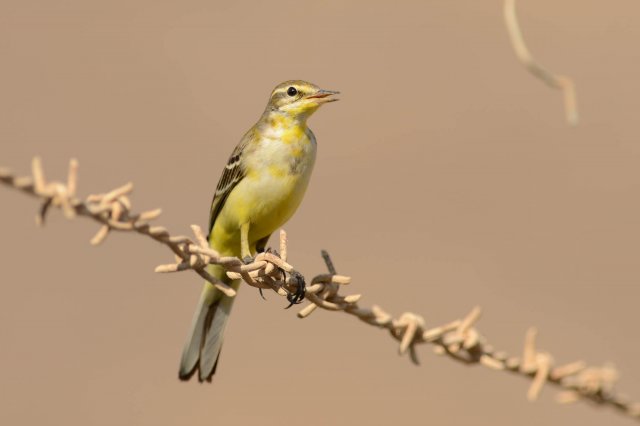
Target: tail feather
{"x": 202, "y": 348}
{"x": 212, "y": 344}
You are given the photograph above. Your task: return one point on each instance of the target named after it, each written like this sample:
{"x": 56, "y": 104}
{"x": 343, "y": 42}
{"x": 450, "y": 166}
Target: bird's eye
{"x": 291, "y": 91}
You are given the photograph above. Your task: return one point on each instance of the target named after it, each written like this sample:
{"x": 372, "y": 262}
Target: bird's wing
{"x": 233, "y": 173}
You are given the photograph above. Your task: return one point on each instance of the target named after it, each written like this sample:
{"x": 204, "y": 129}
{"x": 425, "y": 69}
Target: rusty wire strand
{"x": 459, "y": 339}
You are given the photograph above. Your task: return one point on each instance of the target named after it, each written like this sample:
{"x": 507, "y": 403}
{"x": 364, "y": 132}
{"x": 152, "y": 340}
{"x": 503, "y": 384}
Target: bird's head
{"x": 298, "y": 99}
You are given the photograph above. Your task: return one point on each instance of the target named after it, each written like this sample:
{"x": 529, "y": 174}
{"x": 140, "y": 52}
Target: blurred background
{"x": 447, "y": 177}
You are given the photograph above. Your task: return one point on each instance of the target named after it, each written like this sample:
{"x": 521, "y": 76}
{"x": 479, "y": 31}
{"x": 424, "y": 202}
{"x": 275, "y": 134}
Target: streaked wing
{"x": 233, "y": 173}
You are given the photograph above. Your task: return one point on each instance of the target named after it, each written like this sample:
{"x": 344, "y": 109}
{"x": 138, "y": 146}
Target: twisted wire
{"x": 459, "y": 340}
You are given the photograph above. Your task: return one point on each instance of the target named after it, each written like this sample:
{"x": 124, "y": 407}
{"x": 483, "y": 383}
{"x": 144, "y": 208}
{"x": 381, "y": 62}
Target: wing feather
{"x": 232, "y": 174}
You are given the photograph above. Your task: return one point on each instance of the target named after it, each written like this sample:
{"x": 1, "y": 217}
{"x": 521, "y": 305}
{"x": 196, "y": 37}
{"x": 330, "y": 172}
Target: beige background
{"x": 444, "y": 156}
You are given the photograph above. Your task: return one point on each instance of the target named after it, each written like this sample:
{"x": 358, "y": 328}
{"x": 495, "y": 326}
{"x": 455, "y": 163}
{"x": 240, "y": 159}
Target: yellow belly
{"x": 266, "y": 198}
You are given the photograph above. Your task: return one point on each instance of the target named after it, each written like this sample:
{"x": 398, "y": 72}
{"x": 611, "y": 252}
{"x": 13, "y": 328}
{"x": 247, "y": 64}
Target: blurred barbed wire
{"x": 459, "y": 340}
{"x": 560, "y": 82}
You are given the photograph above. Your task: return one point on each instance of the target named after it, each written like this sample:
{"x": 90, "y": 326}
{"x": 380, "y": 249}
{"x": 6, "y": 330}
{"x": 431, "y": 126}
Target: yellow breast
{"x": 277, "y": 174}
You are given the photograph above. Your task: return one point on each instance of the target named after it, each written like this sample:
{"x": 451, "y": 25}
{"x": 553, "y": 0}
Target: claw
{"x": 248, "y": 260}
{"x": 298, "y": 296}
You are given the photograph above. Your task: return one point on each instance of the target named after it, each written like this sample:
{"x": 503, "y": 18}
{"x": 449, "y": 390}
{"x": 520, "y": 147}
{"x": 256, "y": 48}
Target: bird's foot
{"x": 247, "y": 260}
{"x": 297, "y": 296}
{"x": 268, "y": 250}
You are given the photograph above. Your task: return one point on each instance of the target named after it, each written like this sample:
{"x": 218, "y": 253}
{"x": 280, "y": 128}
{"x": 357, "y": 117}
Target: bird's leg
{"x": 262, "y": 244}
{"x": 245, "y": 252}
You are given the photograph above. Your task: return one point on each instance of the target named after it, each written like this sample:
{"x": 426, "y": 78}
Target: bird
{"x": 261, "y": 187}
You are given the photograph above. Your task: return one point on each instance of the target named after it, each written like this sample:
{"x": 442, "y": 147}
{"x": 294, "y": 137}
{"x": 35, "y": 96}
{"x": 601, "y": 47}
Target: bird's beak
{"x": 323, "y": 96}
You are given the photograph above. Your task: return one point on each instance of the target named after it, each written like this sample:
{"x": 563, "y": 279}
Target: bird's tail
{"x": 202, "y": 349}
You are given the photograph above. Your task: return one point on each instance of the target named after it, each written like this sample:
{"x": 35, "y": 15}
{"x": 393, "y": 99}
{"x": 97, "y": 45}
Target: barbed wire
{"x": 459, "y": 340}
{"x": 560, "y": 82}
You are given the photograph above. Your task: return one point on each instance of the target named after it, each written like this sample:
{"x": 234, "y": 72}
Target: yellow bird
{"x": 261, "y": 187}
